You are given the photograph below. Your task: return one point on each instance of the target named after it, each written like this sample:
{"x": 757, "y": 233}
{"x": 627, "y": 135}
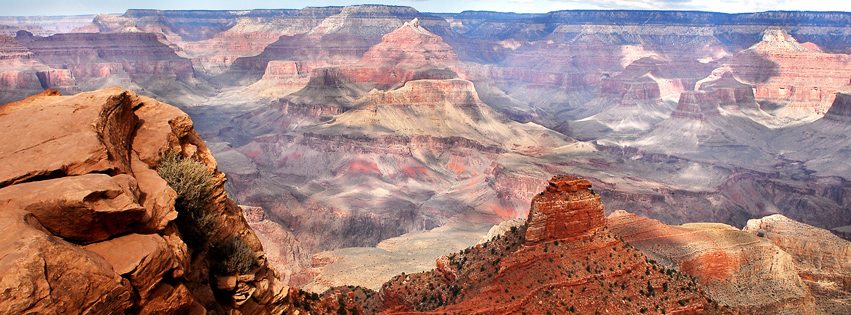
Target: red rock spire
{"x": 567, "y": 208}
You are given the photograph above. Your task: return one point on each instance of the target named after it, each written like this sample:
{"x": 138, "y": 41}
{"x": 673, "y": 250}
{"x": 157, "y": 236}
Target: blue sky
{"x": 68, "y": 7}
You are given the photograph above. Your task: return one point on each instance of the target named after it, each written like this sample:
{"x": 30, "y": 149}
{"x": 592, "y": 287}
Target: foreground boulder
{"x": 89, "y": 226}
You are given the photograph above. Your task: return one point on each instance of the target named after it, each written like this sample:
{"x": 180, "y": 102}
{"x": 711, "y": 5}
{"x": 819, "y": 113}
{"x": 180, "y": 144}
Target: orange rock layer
{"x": 566, "y": 209}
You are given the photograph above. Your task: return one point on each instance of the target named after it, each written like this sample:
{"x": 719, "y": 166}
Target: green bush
{"x": 193, "y": 183}
{"x": 233, "y": 255}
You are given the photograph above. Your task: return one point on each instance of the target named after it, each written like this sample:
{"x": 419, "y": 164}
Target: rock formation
{"x": 349, "y": 127}
{"x": 822, "y": 259}
{"x": 840, "y": 110}
{"x": 565, "y": 267}
{"x": 566, "y": 209}
{"x": 90, "y": 226}
{"x": 736, "y": 269}
{"x": 338, "y": 39}
{"x": 730, "y": 93}
{"x": 696, "y": 105}
{"x": 797, "y": 80}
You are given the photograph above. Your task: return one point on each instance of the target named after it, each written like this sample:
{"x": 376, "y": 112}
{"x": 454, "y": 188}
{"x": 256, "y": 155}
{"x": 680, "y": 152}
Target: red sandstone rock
{"x": 566, "y": 209}
{"x": 583, "y": 273}
{"x": 59, "y": 191}
{"x": 90, "y": 133}
{"x": 142, "y": 259}
{"x": 85, "y": 208}
{"x": 44, "y": 274}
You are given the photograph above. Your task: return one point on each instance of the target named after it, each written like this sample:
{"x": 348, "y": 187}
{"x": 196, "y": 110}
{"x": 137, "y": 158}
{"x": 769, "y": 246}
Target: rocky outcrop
{"x": 736, "y": 269}
{"x": 819, "y": 255}
{"x": 511, "y": 273}
{"x": 840, "y": 110}
{"x": 568, "y": 208}
{"x": 632, "y": 91}
{"x": 730, "y": 93}
{"x": 90, "y": 225}
{"x": 696, "y": 105}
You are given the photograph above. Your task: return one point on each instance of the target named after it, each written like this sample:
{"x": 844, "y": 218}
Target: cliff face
{"x": 840, "y": 110}
{"x": 566, "y": 209}
{"x": 339, "y": 39}
{"x": 90, "y": 225}
{"x": 792, "y": 78}
{"x": 822, "y": 259}
{"x": 138, "y": 55}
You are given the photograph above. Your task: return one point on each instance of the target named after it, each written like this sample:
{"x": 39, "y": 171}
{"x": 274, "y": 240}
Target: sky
{"x": 73, "y": 7}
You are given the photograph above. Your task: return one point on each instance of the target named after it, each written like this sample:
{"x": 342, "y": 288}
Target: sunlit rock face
{"x": 562, "y": 252}
{"x": 92, "y": 227}
{"x": 566, "y": 209}
{"x": 724, "y": 259}
{"x": 791, "y": 78}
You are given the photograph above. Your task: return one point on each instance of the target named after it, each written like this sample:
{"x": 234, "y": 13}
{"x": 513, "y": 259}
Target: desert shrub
{"x": 233, "y": 255}
{"x": 193, "y": 183}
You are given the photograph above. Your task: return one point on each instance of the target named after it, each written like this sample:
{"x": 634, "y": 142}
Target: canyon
{"x": 387, "y": 140}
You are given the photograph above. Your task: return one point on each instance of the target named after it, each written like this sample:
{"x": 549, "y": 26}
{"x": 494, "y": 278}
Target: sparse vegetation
{"x": 193, "y": 183}
{"x": 233, "y": 255}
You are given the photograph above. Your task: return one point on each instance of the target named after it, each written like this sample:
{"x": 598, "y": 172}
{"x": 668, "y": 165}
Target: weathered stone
{"x": 263, "y": 295}
{"x": 144, "y": 259}
{"x": 226, "y": 283}
{"x": 88, "y": 132}
{"x": 85, "y": 208}
{"x": 567, "y": 208}
{"x": 168, "y": 299}
{"x": 43, "y": 274}
{"x": 243, "y": 293}
{"x": 820, "y": 255}
{"x": 736, "y": 269}
{"x": 158, "y": 197}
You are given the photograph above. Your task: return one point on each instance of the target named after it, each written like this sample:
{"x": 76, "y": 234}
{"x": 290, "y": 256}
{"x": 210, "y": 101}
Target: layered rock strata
{"x": 736, "y": 269}
{"x": 822, "y": 258}
{"x": 566, "y": 209}
{"x": 840, "y": 110}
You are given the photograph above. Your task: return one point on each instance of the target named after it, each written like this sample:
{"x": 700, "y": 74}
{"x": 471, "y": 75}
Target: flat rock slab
{"x": 42, "y": 274}
{"x": 82, "y": 209}
{"x": 66, "y": 135}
